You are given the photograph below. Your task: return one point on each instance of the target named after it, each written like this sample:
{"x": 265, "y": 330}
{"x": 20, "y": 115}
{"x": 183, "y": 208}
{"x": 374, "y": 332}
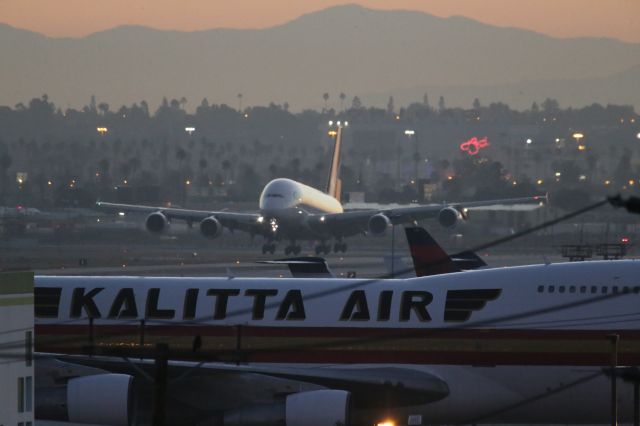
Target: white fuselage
{"x": 285, "y": 197}
{"x": 497, "y": 337}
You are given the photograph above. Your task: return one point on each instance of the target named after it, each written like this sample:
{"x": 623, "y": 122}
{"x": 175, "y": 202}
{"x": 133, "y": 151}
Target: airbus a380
{"x": 292, "y": 211}
{"x": 526, "y": 344}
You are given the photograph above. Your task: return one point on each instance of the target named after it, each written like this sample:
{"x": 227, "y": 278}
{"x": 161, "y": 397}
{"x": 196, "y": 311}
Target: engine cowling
{"x": 449, "y": 217}
{"x": 157, "y": 223}
{"x": 318, "y": 408}
{"x": 211, "y": 227}
{"x": 378, "y": 224}
{"x": 104, "y": 399}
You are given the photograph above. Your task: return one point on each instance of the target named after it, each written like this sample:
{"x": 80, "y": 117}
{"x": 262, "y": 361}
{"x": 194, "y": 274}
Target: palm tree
{"x": 342, "y": 98}
{"x": 325, "y": 96}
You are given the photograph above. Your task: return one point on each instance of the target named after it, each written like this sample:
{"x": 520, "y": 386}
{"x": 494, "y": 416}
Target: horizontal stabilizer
{"x": 304, "y": 267}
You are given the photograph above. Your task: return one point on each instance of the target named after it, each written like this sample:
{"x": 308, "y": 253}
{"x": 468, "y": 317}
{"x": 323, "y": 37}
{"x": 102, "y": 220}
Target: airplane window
{"x": 572, "y": 289}
{"x": 561, "y": 289}
{"x": 605, "y": 290}
{"x": 583, "y": 289}
{"x": 552, "y": 288}
{"x": 275, "y": 196}
{"x": 594, "y": 289}
{"x": 615, "y": 289}
{"x": 540, "y": 288}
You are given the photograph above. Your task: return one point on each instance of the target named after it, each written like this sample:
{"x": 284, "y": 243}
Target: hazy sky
{"x": 562, "y": 18}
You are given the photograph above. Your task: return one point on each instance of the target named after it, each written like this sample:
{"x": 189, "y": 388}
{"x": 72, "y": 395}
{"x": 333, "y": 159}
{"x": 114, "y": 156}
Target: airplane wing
{"x": 377, "y": 220}
{"x": 201, "y": 389}
{"x": 248, "y": 222}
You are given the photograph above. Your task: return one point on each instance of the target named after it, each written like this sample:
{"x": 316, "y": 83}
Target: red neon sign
{"x": 473, "y": 145}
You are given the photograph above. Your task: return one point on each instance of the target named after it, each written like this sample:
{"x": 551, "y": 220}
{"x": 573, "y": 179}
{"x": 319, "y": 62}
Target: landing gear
{"x": 340, "y": 246}
{"x": 323, "y": 248}
{"x": 292, "y": 249}
{"x": 269, "y": 247}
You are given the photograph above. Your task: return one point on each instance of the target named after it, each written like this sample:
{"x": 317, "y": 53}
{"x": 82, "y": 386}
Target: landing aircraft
{"x": 527, "y": 344}
{"x": 292, "y": 211}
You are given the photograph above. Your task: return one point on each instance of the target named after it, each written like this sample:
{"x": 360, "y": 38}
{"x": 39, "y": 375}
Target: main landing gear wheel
{"x": 323, "y": 248}
{"x": 268, "y": 248}
{"x": 340, "y": 247}
{"x": 292, "y": 249}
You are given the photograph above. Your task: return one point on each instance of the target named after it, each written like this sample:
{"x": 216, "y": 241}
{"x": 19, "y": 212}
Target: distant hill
{"x": 369, "y": 53}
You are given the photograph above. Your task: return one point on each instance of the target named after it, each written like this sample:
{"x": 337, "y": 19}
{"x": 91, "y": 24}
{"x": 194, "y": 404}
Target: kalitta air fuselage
{"x": 496, "y": 337}
{"x": 536, "y": 304}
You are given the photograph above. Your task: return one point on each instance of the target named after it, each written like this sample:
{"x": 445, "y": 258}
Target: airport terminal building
{"x": 16, "y": 349}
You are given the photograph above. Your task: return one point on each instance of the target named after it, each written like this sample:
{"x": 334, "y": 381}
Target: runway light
{"x": 330, "y": 122}
{"x": 540, "y": 182}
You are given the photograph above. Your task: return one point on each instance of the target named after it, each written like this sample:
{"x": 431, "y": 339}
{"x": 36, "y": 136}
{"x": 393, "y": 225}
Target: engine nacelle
{"x": 156, "y": 223}
{"x": 318, "y": 408}
{"x": 211, "y": 227}
{"x": 378, "y": 224}
{"x": 449, "y": 217}
{"x": 104, "y": 399}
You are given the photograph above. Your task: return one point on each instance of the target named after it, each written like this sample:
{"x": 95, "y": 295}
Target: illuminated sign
{"x": 474, "y": 145}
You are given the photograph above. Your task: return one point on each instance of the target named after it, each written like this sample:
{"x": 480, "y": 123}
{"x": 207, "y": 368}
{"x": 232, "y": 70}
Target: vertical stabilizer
{"x": 428, "y": 257}
{"x": 334, "y": 185}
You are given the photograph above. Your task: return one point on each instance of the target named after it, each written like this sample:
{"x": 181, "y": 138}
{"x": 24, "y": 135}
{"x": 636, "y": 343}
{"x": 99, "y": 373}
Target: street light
{"x": 102, "y": 130}
{"x": 190, "y": 130}
{"x": 577, "y": 136}
{"x": 638, "y": 135}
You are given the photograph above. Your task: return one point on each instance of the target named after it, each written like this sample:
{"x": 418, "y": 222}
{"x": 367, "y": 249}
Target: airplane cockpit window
{"x": 275, "y": 196}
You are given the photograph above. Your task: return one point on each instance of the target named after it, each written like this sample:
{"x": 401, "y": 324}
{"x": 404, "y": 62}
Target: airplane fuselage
{"x": 497, "y": 337}
{"x": 285, "y": 204}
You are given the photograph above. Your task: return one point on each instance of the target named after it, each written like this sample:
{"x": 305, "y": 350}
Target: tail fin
{"x": 428, "y": 257}
{"x": 334, "y": 185}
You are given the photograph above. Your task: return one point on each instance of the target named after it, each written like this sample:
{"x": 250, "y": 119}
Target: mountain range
{"x": 369, "y": 53}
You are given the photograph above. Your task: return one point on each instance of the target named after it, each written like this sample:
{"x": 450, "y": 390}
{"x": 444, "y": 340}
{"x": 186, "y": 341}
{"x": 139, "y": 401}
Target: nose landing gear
{"x": 292, "y": 248}
{"x": 269, "y": 247}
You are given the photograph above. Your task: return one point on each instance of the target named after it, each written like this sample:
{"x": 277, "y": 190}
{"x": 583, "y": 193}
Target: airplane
{"x": 290, "y": 210}
{"x": 528, "y": 344}
{"x": 429, "y": 258}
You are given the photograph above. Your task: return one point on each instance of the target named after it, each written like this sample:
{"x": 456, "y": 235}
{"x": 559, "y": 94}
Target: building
{"x": 16, "y": 349}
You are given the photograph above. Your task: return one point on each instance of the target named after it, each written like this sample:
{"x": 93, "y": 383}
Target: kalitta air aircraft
{"x": 528, "y": 344}
{"x": 292, "y": 211}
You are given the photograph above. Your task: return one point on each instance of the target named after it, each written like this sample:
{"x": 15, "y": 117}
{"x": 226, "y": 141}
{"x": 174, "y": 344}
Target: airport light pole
{"x": 411, "y": 134}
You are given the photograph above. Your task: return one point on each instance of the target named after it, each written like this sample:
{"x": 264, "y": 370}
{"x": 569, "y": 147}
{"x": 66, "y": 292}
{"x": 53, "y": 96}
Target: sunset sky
{"x": 561, "y": 18}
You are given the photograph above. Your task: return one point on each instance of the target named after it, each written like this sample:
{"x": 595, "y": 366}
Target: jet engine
{"x": 104, "y": 399}
{"x": 211, "y": 227}
{"x": 156, "y": 223}
{"x": 317, "y": 408}
{"x": 449, "y": 217}
{"x": 378, "y": 224}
